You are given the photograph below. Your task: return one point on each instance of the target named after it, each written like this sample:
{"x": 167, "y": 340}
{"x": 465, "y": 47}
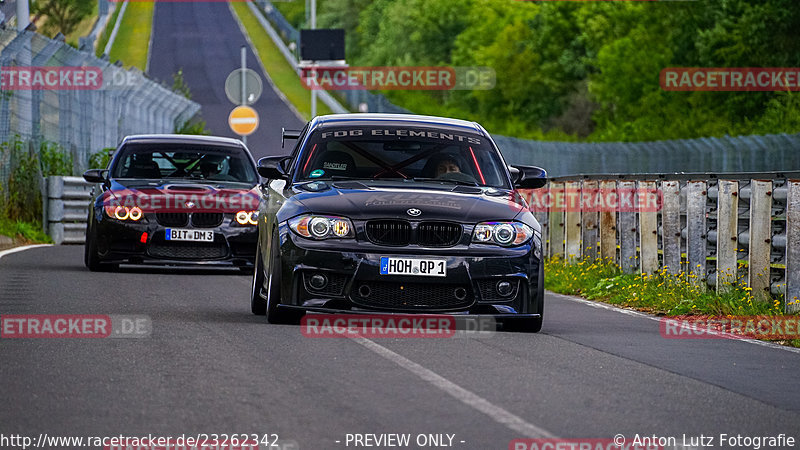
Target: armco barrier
{"x": 741, "y": 227}
{"x": 721, "y": 227}
{"x": 66, "y": 206}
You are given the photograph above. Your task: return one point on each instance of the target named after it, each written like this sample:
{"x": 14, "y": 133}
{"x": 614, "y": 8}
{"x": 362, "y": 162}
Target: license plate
{"x": 175, "y": 234}
{"x": 411, "y": 266}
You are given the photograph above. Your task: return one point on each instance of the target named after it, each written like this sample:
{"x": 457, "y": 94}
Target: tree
{"x": 62, "y": 15}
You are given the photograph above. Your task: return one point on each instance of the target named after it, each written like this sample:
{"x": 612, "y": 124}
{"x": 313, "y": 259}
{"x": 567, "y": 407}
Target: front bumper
{"x": 144, "y": 242}
{"x": 355, "y": 285}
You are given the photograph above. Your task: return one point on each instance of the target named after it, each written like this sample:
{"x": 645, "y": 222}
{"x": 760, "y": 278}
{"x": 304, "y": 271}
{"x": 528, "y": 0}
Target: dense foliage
{"x": 580, "y": 71}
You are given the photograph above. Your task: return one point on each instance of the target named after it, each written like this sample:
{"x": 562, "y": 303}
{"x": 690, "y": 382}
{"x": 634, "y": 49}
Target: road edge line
{"x": 634, "y": 313}
{"x": 22, "y": 248}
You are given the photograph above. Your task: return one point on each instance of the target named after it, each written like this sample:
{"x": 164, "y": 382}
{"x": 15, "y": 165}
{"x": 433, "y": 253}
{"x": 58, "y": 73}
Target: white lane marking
{"x": 24, "y": 247}
{"x": 469, "y": 398}
{"x": 629, "y": 312}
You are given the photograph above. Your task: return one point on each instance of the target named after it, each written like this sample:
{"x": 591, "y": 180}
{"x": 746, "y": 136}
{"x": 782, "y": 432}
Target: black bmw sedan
{"x": 397, "y": 214}
{"x": 174, "y": 200}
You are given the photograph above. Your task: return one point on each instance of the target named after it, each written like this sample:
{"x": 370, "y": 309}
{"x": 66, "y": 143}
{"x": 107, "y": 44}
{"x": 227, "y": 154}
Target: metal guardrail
{"x": 733, "y": 227}
{"x": 65, "y": 203}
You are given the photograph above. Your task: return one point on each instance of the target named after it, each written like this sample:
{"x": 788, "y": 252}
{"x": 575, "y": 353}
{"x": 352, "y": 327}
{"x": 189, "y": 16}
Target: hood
{"x": 453, "y": 203}
{"x": 182, "y": 196}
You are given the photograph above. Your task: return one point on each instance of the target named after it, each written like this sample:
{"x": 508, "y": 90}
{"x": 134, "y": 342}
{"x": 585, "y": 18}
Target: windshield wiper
{"x": 447, "y": 180}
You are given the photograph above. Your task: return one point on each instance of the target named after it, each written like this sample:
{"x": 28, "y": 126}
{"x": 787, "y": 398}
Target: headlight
{"x": 120, "y": 212}
{"x": 322, "y": 227}
{"x": 506, "y": 234}
{"x": 247, "y": 217}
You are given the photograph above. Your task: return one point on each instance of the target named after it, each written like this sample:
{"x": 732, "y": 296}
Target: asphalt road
{"x": 209, "y": 366}
{"x": 204, "y": 40}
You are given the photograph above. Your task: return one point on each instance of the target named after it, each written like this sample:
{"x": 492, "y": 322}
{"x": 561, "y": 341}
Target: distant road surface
{"x": 204, "y": 39}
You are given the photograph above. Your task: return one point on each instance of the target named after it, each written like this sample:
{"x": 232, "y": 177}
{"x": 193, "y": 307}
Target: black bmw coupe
{"x": 397, "y": 214}
{"x": 174, "y": 200}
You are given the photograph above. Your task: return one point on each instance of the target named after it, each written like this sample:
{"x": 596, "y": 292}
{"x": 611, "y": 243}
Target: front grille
{"x": 416, "y": 296}
{"x": 172, "y": 219}
{"x": 159, "y": 248}
{"x": 438, "y": 234}
{"x": 488, "y": 290}
{"x": 207, "y": 219}
{"x": 389, "y": 232}
{"x": 335, "y": 284}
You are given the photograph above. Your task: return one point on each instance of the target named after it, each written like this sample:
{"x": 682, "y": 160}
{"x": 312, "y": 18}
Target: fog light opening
{"x": 504, "y": 288}
{"x": 364, "y": 290}
{"x": 460, "y": 293}
{"x": 318, "y": 281}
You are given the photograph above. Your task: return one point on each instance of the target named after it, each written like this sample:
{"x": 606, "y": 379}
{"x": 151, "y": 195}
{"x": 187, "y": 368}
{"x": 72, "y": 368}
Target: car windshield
{"x": 420, "y": 154}
{"x": 183, "y": 161}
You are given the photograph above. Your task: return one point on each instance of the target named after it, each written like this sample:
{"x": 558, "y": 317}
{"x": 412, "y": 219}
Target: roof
{"x": 367, "y": 119}
{"x": 182, "y": 138}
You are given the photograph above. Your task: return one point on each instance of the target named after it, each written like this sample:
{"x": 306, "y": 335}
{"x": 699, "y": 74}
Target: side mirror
{"x": 96, "y": 176}
{"x": 528, "y": 177}
{"x": 271, "y": 167}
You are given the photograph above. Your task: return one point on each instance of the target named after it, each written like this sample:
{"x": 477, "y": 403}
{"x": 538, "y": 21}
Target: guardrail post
{"x": 792, "y": 296}
{"x": 696, "y": 196}
{"x": 589, "y": 218}
{"x": 671, "y": 225}
{"x": 608, "y": 222}
{"x": 556, "y": 219}
{"x": 627, "y": 232}
{"x": 760, "y": 238}
{"x": 573, "y": 220}
{"x": 647, "y": 197}
{"x": 727, "y": 230}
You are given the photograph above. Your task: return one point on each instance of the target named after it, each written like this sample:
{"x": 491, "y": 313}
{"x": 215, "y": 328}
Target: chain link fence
{"x": 55, "y": 93}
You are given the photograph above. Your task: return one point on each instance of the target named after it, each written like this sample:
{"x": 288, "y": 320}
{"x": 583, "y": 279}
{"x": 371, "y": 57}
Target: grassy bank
{"x": 279, "y": 70}
{"x": 102, "y": 40}
{"x": 23, "y": 233}
{"x": 133, "y": 38}
{"x": 661, "y": 293}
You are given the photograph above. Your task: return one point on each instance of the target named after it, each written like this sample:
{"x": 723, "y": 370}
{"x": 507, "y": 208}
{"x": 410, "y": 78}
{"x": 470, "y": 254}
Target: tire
{"x": 530, "y": 325}
{"x": 258, "y": 304}
{"x": 275, "y": 315}
{"x": 90, "y": 257}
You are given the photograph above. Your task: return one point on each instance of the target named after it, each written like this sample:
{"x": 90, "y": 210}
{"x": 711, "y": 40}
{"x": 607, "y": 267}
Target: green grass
{"x": 83, "y": 28}
{"x": 279, "y": 70}
{"x": 133, "y": 38}
{"x": 660, "y": 293}
{"x": 23, "y": 232}
{"x": 102, "y": 40}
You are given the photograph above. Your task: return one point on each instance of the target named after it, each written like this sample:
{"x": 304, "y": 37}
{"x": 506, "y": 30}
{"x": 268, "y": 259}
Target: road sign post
{"x": 243, "y": 87}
